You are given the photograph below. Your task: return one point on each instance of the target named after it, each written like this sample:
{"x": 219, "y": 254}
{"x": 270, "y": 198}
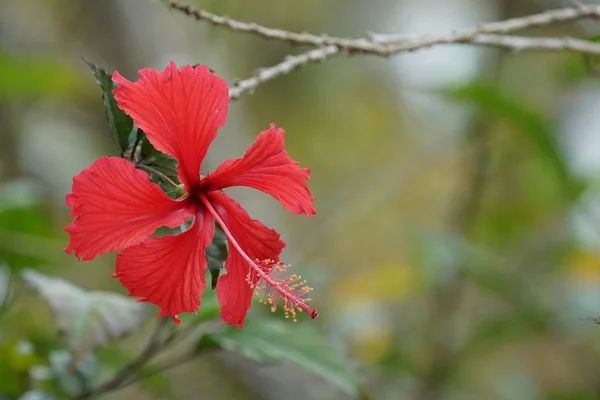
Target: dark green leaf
{"x": 530, "y": 122}
{"x": 274, "y": 341}
{"x": 121, "y": 124}
{"x": 216, "y": 254}
{"x": 163, "y": 162}
{"x": 131, "y": 140}
{"x": 197, "y": 65}
{"x": 87, "y": 319}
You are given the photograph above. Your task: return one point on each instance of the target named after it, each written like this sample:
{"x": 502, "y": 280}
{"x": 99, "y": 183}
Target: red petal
{"x": 258, "y": 241}
{"x": 266, "y": 166}
{"x": 116, "y": 206}
{"x": 179, "y": 110}
{"x": 169, "y": 271}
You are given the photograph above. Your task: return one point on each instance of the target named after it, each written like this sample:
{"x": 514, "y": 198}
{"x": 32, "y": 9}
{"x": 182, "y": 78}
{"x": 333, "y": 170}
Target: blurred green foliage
{"x": 269, "y": 342}
{"x": 433, "y": 303}
{"x": 25, "y": 78}
{"x": 91, "y": 320}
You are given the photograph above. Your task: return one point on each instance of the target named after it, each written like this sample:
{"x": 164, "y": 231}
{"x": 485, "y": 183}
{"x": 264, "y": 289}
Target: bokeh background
{"x": 457, "y": 241}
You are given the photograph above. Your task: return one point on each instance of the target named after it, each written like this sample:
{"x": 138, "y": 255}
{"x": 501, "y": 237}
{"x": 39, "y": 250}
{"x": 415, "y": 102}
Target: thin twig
{"x": 386, "y": 44}
{"x": 165, "y": 366}
{"x": 153, "y": 347}
{"x": 289, "y": 64}
{"x": 507, "y": 42}
{"x": 513, "y": 43}
{"x": 493, "y": 34}
{"x": 519, "y": 43}
{"x": 159, "y": 174}
{"x": 304, "y": 38}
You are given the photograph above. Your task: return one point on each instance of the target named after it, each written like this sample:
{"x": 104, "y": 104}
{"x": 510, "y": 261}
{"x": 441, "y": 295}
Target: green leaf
{"x": 150, "y": 156}
{"x": 216, "y": 254}
{"x": 275, "y": 341}
{"x": 87, "y": 319}
{"x": 132, "y": 142}
{"x": 530, "y": 122}
{"x": 121, "y": 124}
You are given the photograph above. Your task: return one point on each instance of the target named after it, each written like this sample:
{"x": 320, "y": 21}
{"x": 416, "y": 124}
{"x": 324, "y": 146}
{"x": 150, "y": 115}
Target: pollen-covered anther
{"x": 263, "y": 277}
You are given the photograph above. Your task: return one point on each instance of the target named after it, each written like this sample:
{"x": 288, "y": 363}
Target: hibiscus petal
{"x": 116, "y": 206}
{"x": 180, "y": 111}
{"x": 169, "y": 271}
{"x": 266, "y": 166}
{"x": 258, "y": 241}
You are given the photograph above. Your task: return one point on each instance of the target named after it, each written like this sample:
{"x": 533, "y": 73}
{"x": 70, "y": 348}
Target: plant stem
{"x": 156, "y": 172}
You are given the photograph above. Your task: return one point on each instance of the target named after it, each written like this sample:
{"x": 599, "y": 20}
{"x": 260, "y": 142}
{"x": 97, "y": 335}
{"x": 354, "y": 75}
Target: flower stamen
{"x": 263, "y": 277}
{"x": 289, "y": 290}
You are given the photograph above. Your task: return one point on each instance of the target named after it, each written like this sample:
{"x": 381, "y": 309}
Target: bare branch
{"x": 386, "y": 45}
{"x": 289, "y": 64}
{"x": 493, "y": 34}
{"x": 153, "y": 347}
{"x": 395, "y": 45}
{"x": 304, "y": 38}
{"x": 518, "y": 43}
{"x": 508, "y": 26}
{"x": 513, "y": 43}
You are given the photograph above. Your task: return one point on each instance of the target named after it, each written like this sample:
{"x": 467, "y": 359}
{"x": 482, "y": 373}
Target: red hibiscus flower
{"x": 116, "y": 207}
